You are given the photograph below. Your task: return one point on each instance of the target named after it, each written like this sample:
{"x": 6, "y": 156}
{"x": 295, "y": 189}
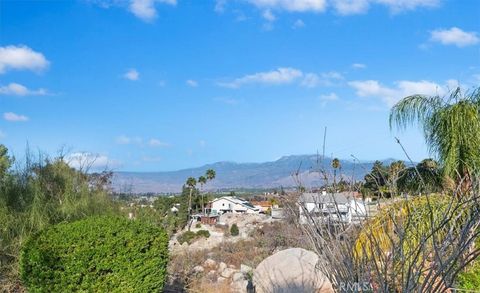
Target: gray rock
{"x": 291, "y": 270}
{"x": 198, "y": 269}
{"x": 227, "y": 273}
{"x": 239, "y": 287}
{"x": 210, "y": 263}
{"x": 221, "y": 279}
{"x": 238, "y": 276}
{"x": 222, "y": 266}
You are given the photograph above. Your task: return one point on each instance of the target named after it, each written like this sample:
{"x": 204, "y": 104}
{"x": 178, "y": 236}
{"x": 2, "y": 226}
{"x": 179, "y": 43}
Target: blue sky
{"x": 150, "y": 85}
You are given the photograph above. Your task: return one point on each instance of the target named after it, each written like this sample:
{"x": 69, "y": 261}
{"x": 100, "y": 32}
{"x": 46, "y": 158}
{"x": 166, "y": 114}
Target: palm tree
{"x": 210, "y": 174}
{"x": 202, "y": 180}
{"x": 191, "y": 183}
{"x": 335, "y": 165}
{"x": 451, "y": 127}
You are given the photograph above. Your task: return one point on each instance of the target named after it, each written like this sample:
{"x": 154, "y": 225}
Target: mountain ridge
{"x": 233, "y": 175}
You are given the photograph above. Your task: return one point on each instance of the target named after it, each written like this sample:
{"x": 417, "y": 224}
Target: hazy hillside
{"x": 240, "y": 175}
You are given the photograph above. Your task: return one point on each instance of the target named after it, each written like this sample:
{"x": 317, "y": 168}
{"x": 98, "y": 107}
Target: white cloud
{"x": 15, "y": 89}
{"x": 329, "y": 97}
{"x": 132, "y": 74}
{"x": 192, "y": 83}
{"x": 348, "y": 7}
{"x": 323, "y": 79}
{"x": 286, "y": 75}
{"x": 12, "y": 117}
{"x": 281, "y": 75}
{"x": 145, "y": 9}
{"x": 397, "y": 6}
{"x": 123, "y": 139}
{"x": 454, "y": 36}
{"x": 292, "y": 5}
{"x": 220, "y": 6}
{"x": 157, "y": 143}
{"x": 21, "y": 58}
{"x": 359, "y": 66}
{"x": 298, "y": 24}
{"x": 343, "y": 7}
{"x": 88, "y": 161}
{"x": 403, "y": 88}
{"x": 268, "y": 15}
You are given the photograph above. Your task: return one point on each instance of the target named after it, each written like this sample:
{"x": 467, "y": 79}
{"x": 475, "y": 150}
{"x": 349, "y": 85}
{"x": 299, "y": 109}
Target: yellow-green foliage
{"x": 97, "y": 254}
{"x": 413, "y": 219}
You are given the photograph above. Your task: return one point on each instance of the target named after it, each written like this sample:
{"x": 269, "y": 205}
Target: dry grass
{"x": 263, "y": 242}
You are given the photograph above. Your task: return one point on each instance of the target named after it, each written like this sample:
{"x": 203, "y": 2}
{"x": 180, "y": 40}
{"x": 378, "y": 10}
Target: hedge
{"x": 97, "y": 254}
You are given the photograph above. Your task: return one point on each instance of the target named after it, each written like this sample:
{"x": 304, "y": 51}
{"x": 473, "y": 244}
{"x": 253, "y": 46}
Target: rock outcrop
{"x": 291, "y": 270}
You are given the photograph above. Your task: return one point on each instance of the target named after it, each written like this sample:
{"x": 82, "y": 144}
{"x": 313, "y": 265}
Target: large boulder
{"x": 291, "y": 270}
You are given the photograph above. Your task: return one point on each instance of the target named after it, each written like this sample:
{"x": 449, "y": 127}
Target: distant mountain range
{"x": 231, "y": 175}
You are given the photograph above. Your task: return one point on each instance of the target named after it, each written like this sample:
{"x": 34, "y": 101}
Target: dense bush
{"x": 190, "y": 236}
{"x": 97, "y": 254}
{"x": 37, "y": 192}
{"x": 203, "y": 233}
{"x": 234, "y": 230}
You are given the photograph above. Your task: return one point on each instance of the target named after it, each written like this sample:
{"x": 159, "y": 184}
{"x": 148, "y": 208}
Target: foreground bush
{"x": 97, "y": 254}
{"x": 234, "y": 230}
{"x": 190, "y": 236}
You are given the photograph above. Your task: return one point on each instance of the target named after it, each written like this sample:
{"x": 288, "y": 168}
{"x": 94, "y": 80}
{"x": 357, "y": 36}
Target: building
{"x": 343, "y": 207}
{"x": 264, "y": 206}
{"x": 231, "y": 204}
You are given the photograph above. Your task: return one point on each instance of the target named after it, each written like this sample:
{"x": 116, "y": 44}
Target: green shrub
{"x": 203, "y": 233}
{"x": 198, "y": 225}
{"x": 190, "y": 236}
{"x": 234, "y": 230}
{"x": 187, "y": 236}
{"x": 97, "y": 254}
{"x": 470, "y": 280}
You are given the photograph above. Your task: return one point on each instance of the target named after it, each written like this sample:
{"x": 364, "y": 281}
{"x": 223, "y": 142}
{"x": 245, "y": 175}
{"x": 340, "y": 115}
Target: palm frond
{"x": 414, "y": 109}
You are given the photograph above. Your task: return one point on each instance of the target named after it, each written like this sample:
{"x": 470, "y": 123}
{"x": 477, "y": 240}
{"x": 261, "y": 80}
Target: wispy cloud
{"x": 192, "y": 83}
{"x": 342, "y": 7}
{"x": 123, "y": 139}
{"x": 136, "y": 140}
{"x": 21, "y": 58}
{"x": 90, "y": 161}
{"x": 286, "y": 75}
{"x": 359, "y": 66}
{"x": 298, "y": 24}
{"x": 291, "y": 5}
{"x": 132, "y": 74}
{"x": 145, "y": 9}
{"x": 330, "y": 78}
{"x": 391, "y": 95}
{"x": 13, "y": 117}
{"x": 454, "y": 36}
{"x": 2, "y": 134}
{"x": 282, "y": 75}
{"x": 16, "y": 89}
{"x": 157, "y": 143}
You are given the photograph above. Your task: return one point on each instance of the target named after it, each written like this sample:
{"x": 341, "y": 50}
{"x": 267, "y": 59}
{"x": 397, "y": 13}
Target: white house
{"x": 343, "y": 206}
{"x": 231, "y": 204}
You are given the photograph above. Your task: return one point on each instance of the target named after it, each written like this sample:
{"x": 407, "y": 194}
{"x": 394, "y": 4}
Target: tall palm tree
{"x": 451, "y": 126}
{"x": 202, "y": 180}
{"x": 210, "y": 174}
{"x": 191, "y": 183}
{"x": 335, "y": 165}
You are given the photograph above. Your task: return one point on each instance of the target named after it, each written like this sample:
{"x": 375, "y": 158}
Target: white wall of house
{"x": 224, "y": 204}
